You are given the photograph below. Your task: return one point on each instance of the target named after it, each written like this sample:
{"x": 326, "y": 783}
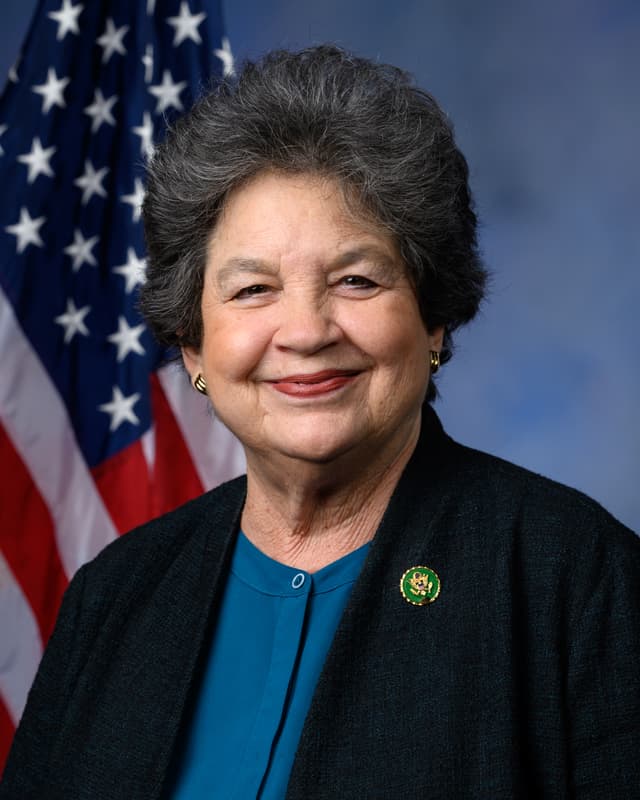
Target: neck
{"x": 308, "y": 515}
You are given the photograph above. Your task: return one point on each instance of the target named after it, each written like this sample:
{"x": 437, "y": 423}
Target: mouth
{"x": 315, "y": 384}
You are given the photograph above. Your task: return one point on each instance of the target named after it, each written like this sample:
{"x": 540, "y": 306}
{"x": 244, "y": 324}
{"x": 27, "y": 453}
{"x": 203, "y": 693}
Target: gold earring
{"x": 434, "y": 361}
{"x": 200, "y": 384}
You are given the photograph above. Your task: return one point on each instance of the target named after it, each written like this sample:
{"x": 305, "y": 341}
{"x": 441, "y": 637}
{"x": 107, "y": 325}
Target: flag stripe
{"x": 124, "y": 485}
{"x": 198, "y": 423}
{"x": 20, "y": 644}
{"x": 27, "y": 539}
{"x": 36, "y": 420}
{"x": 175, "y": 477}
{"x": 6, "y": 732}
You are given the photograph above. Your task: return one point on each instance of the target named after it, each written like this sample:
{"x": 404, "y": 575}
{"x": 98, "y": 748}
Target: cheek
{"x": 408, "y": 341}
{"x": 397, "y": 339}
{"x": 402, "y": 360}
{"x": 232, "y": 348}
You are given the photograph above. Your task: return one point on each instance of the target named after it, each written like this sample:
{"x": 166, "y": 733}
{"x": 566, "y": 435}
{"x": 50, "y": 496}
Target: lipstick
{"x": 314, "y": 384}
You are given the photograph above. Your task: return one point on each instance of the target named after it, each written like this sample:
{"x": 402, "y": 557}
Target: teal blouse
{"x": 274, "y": 630}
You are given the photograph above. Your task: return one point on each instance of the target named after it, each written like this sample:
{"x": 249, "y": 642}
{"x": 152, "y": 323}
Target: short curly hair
{"x": 318, "y": 111}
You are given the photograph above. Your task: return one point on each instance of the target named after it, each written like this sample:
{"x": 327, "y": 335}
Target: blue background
{"x": 545, "y": 98}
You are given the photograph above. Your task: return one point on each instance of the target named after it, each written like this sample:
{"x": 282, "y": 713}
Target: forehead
{"x": 298, "y": 214}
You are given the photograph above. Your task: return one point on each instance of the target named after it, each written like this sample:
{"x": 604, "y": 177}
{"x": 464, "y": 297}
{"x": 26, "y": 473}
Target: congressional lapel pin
{"x": 420, "y": 585}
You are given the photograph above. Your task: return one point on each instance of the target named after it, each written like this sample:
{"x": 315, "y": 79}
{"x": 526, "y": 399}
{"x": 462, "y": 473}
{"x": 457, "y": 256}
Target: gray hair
{"x": 319, "y": 111}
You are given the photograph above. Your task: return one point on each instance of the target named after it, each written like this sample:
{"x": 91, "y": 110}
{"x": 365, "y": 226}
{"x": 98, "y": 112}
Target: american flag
{"x": 95, "y": 436}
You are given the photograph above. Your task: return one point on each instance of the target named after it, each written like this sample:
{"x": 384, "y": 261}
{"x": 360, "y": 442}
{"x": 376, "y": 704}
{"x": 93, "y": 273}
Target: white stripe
{"x": 20, "y": 644}
{"x": 216, "y": 453}
{"x": 36, "y": 420}
{"x": 148, "y": 441}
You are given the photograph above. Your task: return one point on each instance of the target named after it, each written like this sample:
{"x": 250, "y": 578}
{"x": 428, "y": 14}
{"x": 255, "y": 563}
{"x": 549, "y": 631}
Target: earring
{"x": 200, "y": 384}
{"x": 434, "y": 361}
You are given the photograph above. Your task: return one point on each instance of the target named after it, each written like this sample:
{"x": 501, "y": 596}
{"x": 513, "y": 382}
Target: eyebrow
{"x": 378, "y": 256}
{"x": 239, "y": 265}
{"x": 245, "y": 265}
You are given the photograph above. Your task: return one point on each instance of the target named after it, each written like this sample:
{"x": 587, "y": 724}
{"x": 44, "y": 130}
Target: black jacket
{"x": 521, "y": 679}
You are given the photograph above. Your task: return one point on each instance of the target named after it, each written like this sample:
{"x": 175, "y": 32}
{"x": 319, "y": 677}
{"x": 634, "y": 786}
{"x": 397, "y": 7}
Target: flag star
{"x": 120, "y": 408}
{"x": 186, "y": 25}
{"x": 27, "y": 231}
{"x": 91, "y": 182}
{"x": 168, "y": 93}
{"x": 100, "y": 110}
{"x": 145, "y": 132}
{"x": 127, "y": 339}
{"x": 151, "y": 7}
{"x": 13, "y": 71}
{"x": 111, "y": 40}
{"x": 52, "y": 91}
{"x": 73, "y": 321}
{"x": 133, "y": 271}
{"x": 147, "y": 62}
{"x": 80, "y": 250}
{"x": 38, "y": 160}
{"x": 67, "y": 18}
{"x": 3, "y": 128}
{"x": 135, "y": 199}
{"x": 226, "y": 56}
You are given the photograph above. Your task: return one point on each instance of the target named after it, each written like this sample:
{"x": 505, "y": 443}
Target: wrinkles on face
{"x": 314, "y": 349}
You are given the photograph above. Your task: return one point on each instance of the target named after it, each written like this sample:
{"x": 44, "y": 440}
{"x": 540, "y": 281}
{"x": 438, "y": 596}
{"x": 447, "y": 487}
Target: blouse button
{"x": 298, "y": 580}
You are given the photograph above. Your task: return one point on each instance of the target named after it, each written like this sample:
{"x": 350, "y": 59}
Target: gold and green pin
{"x": 420, "y": 585}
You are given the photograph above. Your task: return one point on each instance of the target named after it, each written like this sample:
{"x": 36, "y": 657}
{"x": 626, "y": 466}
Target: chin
{"x": 320, "y": 445}
{"x": 314, "y": 453}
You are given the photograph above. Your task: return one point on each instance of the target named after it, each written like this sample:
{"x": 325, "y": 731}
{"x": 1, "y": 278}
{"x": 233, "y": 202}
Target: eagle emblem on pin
{"x": 420, "y": 585}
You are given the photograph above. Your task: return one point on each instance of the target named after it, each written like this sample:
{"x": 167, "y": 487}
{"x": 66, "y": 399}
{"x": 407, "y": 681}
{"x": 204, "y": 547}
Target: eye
{"x": 357, "y": 282}
{"x": 251, "y": 291}
{"x": 356, "y": 287}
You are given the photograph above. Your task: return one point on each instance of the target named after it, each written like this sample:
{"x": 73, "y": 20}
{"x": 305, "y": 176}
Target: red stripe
{"x": 27, "y": 539}
{"x": 175, "y": 479}
{"x": 6, "y": 734}
{"x": 123, "y": 483}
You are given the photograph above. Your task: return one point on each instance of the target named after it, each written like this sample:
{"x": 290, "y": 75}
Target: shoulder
{"x": 544, "y": 525}
{"x": 144, "y": 568}
{"x": 484, "y": 490}
{"x": 161, "y": 541}
{"x": 514, "y": 490}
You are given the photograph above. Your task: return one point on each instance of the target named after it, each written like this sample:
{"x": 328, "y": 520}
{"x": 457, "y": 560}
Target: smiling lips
{"x": 314, "y": 385}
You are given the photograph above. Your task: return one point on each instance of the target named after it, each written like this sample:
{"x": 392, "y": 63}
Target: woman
{"x": 376, "y": 610}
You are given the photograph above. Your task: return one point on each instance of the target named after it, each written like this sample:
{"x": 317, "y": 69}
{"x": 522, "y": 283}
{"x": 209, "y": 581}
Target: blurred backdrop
{"x": 545, "y": 100}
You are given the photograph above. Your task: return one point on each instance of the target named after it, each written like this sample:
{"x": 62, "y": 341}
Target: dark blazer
{"x": 520, "y": 680}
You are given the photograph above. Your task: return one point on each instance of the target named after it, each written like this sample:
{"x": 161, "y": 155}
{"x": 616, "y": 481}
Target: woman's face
{"x": 313, "y": 346}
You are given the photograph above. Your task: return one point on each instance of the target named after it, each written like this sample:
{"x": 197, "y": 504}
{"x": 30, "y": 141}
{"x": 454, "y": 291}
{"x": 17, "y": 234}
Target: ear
{"x": 192, "y": 360}
{"x": 436, "y": 337}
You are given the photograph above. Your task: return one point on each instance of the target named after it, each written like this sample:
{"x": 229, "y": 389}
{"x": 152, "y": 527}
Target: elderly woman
{"x": 375, "y": 611}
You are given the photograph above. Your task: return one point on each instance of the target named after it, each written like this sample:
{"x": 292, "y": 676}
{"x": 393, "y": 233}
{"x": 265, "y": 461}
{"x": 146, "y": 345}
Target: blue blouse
{"x": 273, "y": 633}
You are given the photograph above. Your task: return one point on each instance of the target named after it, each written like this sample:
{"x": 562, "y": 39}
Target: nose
{"x": 306, "y": 324}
